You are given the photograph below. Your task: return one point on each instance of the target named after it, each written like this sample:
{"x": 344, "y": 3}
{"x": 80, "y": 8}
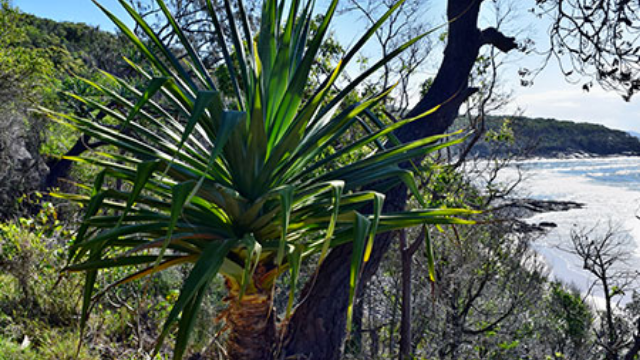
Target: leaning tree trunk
{"x": 317, "y": 328}
{"x": 251, "y": 325}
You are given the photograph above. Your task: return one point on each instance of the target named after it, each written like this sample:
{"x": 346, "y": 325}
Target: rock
{"x": 522, "y": 209}
{"x": 546, "y": 224}
{"x": 25, "y": 343}
{"x": 21, "y": 167}
{"x": 550, "y": 205}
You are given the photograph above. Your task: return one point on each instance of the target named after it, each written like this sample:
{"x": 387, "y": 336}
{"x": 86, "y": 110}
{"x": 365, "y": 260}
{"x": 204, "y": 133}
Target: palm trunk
{"x": 252, "y": 328}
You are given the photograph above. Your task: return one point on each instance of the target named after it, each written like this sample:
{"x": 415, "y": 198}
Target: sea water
{"x": 609, "y": 188}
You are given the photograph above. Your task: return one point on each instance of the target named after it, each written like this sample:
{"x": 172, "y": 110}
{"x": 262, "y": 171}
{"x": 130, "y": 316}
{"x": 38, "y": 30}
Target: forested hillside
{"x": 96, "y": 48}
{"x": 40, "y": 62}
{"x": 537, "y": 137}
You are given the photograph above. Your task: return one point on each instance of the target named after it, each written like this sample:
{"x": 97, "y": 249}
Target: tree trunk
{"x": 405, "y": 323}
{"x": 59, "y": 168}
{"x": 252, "y": 328}
{"x": 612, "y": 335}
{"x": 317, "y": 328}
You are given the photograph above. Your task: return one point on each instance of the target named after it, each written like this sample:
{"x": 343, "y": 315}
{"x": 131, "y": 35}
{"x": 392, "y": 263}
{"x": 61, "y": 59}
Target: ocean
{"x": 610, "y": 190}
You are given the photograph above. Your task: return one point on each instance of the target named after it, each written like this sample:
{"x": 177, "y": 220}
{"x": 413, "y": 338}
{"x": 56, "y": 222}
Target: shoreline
{"x": 613, "y": 196}
{"x": 574, "y": 156}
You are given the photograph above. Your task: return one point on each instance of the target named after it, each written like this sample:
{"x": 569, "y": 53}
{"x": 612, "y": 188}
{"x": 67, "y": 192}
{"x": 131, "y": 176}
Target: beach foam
{"x": 610, "y": 189}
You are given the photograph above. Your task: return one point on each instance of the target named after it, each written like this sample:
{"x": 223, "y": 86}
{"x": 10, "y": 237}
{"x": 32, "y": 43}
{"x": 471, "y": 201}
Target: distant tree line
{"x": 537, "y": 137}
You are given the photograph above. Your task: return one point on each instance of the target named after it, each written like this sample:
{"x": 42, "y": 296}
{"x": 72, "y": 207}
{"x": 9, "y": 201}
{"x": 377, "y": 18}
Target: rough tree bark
{"x": 252, "y": 335}
{"x": 59, "y": 168}
{"x": 317, "y": 329}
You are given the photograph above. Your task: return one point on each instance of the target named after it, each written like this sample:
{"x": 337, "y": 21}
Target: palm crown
{"x": 242, "y": 184}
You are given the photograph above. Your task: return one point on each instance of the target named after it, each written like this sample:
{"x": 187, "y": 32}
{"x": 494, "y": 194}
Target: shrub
{"x": 12, "y": 351}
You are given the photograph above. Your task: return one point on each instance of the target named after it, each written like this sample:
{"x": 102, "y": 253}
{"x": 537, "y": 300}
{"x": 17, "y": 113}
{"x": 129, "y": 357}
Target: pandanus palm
{"x": 242, "y": 184}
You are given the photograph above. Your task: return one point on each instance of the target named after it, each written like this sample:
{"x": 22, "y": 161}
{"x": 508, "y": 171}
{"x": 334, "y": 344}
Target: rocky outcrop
{"x": 21, "y": 167}
{"x": 525, "y": 208}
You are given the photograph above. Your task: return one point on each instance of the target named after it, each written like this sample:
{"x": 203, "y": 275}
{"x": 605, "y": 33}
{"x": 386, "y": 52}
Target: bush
{"x": 36, "y": 302}
{"x": 12, "y": 351}
{"x": 31, "y": 254}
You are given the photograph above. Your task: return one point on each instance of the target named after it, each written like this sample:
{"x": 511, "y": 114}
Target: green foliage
{"x": 74, "y": 47}
{"x": 573, "y": 315}
{"x": 23, "y": 70}
{"x": 39, "y": 62}
{"x": 13, "y": 351}
{"x": 242, "y": 186}
{"x": 36, "y": 303}
{"x": 31, "y": 253}
{"x": 62, "y": 346}
{"x": 426, "y": 86}
{"x": 550, "y": 138}
{"x": 448, "y": 187}
{"x": 502, "y": 135}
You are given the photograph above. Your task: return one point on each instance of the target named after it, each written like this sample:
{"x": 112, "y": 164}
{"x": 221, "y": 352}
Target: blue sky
{"x": 551, "y": 95}
{"x": 84, "y": 11}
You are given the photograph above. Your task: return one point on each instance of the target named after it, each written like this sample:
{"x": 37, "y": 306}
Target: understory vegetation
{"x": 460, "y": 280}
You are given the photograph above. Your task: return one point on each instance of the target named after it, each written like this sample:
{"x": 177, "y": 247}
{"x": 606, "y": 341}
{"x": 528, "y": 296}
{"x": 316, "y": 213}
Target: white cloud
{"x": 551, "y": 97}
